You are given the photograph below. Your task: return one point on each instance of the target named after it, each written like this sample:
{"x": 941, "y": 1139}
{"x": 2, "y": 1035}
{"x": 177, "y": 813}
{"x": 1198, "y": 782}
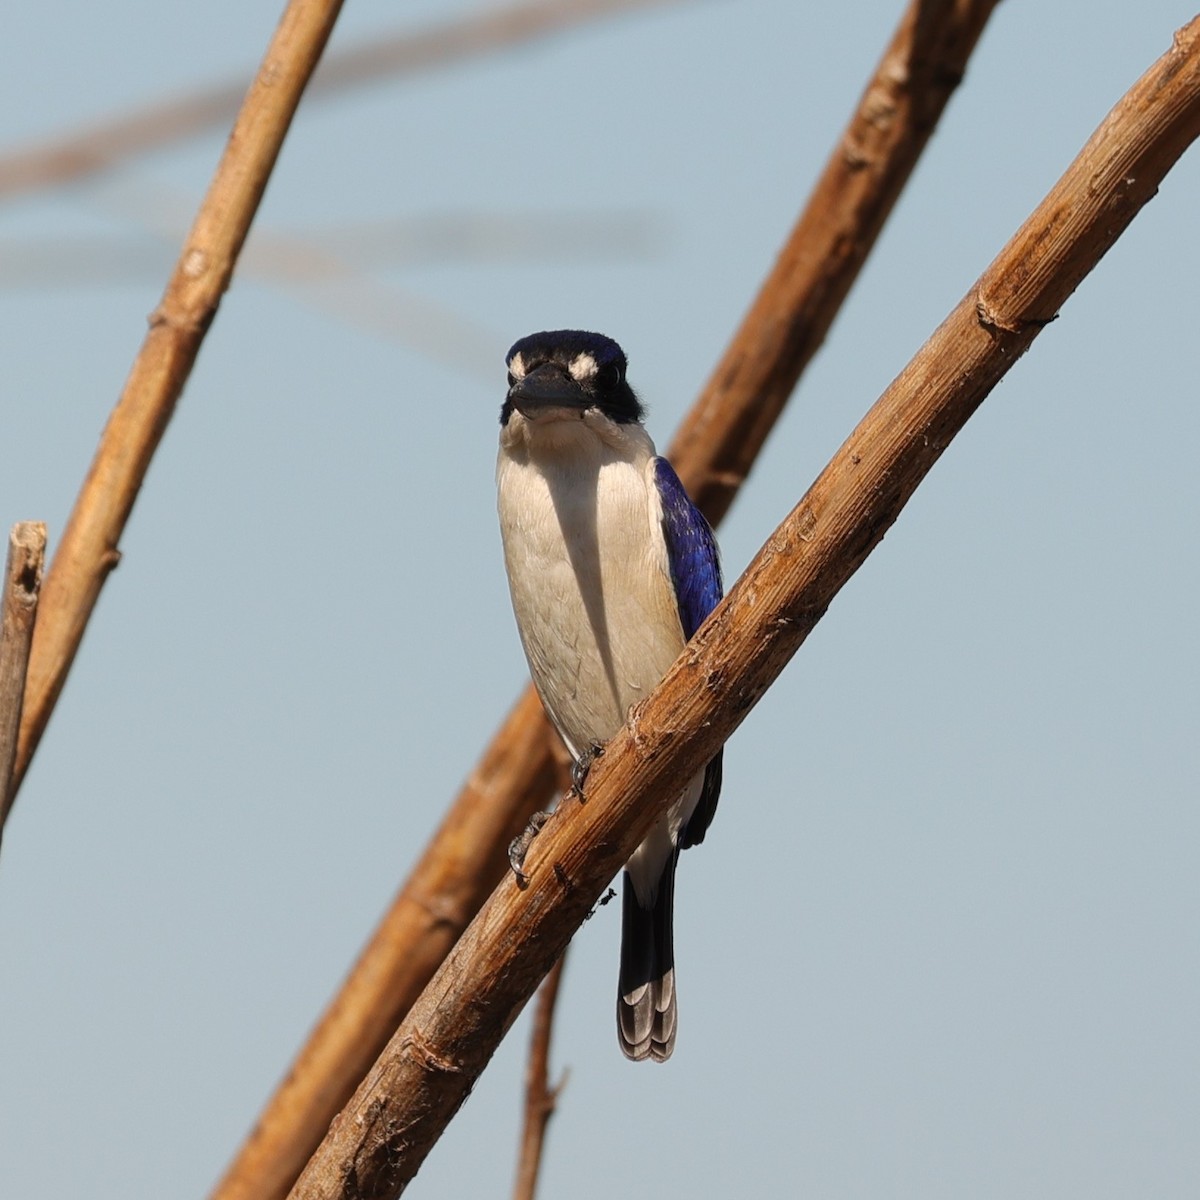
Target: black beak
{"x": 548, "y": 386}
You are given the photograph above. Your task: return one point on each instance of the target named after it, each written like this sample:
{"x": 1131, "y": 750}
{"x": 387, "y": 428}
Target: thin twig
{"x": 104, "y": 145}
{"x": 434, "y": 1059}
{"x": 22, "y": 584}
{"x": 540, "y": 1098}
{"x": 88, "y": 550}
{"x": 466, "y": 858}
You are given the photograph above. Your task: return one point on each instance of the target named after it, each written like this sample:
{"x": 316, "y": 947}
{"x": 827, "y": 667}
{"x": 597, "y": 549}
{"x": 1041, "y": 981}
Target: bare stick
{"x": 540, "y": 1097}
{"x": 88, "y": 550}
{"x": 435, "y": 1057}
{"x": 22, "y": 583}
{"x": 102, "y": 146}
{"x": 465, "y": 859}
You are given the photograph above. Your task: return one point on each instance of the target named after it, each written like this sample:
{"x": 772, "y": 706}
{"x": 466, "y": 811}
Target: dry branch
{"x": 793, "y": 311}
{"x": 540, "y": 1097}
{"x": 729, "y": 424}
{"x": 22, "y": 583}
{"x": 88, "y": 550}
{"x": 102, "y": 146}
{"x": 430, "y": 1065}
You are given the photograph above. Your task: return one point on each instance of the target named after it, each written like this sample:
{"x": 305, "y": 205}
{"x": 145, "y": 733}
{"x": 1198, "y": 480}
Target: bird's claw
{"x": 519, "y": 847}
{"x": 582, "y": 765}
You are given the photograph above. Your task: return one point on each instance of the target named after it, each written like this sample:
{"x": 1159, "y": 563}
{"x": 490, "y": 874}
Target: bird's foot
{"x": 519, "y": 847}
{"x": 581, "y": 767}
{"x": 609, "y": 895}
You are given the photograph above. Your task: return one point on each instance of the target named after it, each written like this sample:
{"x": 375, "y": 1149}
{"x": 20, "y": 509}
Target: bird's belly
{"x": 592, "y": 597}
{"x": 588, "y": 680}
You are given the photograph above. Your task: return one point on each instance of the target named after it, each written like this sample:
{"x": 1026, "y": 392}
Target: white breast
{"x": 587, "y": 568}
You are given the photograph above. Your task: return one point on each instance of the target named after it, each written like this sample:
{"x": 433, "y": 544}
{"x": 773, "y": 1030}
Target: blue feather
{"x": 696, "y": 576}
{"x": 691, "y": 550}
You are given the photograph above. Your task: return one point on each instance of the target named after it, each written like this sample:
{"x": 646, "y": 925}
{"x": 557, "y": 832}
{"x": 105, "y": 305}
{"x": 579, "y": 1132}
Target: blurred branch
{"x": 325, "y": 279}
{"x": 434, "y": 1059}
{"x": 101, "y": 146}
{"x": 22, "y": 583}
{"x": 431, "y": 240}
{"x": 540, "y": 1098}
{"x": 326, "y": 270}
{"x": 88, "y": 550}
{"x": 466, "y": 857}
{"x": 449, "y": 237}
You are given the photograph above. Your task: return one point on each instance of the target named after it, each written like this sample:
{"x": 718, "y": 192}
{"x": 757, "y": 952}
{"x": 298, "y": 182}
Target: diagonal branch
{"x": 433, "y": 1060}
{"x": 466, "y": 858}
{"x": 88, "y": 551}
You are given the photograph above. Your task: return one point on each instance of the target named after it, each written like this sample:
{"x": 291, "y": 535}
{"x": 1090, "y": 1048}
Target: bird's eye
{"x": 608, "y": 375}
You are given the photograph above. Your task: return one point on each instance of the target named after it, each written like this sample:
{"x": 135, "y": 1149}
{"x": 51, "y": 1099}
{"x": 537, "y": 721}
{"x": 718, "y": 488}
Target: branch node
{"x": 417, "y": 1046}
{"x": 993, "y": 323}
{"x": 195, "y": 263}
{"x": 440, "y": 908}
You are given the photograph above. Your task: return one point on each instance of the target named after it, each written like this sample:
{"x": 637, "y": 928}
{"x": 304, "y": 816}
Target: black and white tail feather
{"x": 647, "y": 1012}
{"x": 647, "y": 1009}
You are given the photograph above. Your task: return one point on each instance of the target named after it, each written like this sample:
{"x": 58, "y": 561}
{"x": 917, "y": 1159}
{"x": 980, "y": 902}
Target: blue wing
{"x": 696, "y": 576}
{"x": 691, "y": 550}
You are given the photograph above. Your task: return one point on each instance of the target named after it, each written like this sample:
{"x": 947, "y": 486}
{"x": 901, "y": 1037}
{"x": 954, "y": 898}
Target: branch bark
{"x": 88, "y": 550}
{"x": 717, "y": 443}
{"x": 540, "y": 1098}
{"x": 431, "y": 1063}
{"x": 22, "y": 584}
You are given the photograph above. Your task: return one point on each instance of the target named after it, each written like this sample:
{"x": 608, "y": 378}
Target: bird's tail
{"x": 646, "y": 1012}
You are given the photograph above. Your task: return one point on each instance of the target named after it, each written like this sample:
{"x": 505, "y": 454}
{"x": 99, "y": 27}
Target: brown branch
{"x": 540, "y": 1098}
{"x": 459, "y": 869}
{"x": 22, "y": 584}
{"x": 88, "y": 550}
{"x": 101, "y": 146}
{"x": 896, "y": 115}
{"x": 466, "y": 858}
{"x": 433, "y": 1060}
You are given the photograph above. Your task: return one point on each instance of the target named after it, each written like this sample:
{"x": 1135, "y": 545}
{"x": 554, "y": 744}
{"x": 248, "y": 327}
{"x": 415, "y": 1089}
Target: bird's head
{"x": 565, "y": 373}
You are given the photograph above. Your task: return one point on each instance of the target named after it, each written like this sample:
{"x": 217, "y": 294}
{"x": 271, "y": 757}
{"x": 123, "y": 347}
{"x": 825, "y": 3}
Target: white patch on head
{"x": 516, "y": 366}
{"x": 583, "y": 366}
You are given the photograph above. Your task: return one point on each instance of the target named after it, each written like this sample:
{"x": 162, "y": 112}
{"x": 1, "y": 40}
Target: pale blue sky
{"x": 941, "y": 939}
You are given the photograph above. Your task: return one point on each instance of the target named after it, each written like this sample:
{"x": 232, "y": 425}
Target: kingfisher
{"x": 611, "y": 568}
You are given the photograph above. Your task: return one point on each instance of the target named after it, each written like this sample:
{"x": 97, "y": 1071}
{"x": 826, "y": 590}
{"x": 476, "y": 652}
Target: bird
{"x": 611, "y": 570}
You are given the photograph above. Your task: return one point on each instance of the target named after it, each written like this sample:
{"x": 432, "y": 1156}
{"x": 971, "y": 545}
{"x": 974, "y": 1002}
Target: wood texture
{"x": 713, "y": 452}
{"x": 18, "y": 613}
{"x": 430, "y": 1065}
